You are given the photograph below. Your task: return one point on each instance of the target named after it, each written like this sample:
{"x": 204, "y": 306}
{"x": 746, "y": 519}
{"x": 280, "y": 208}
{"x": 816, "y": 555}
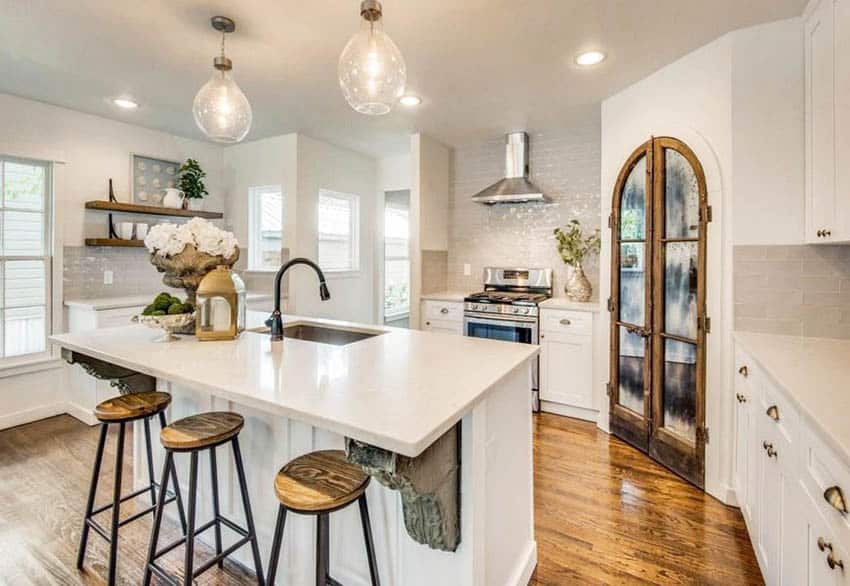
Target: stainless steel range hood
{"x": 515, "y": 187}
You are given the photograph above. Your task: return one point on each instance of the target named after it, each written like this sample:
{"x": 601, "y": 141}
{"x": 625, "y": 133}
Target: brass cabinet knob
{"x": 768, "y": 447}
{"x": 427, "y": 323}
{"x": 827, "y": 233}
{"x": 565, "y": 322}
{"x": 744, "y": 371}
{"x": 444, "y": 310}
{"x": 820, "y": 233}
{"x": 832, "y": 562}
{"x": 741, "y": 398}
{"x": 823, "y": 544}
{"x": 773, "y": 412}
{"x": 835, "y": 497}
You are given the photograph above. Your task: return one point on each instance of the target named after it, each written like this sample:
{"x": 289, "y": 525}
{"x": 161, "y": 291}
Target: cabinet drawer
{"x": 819, "y": 545}
{"x": 775, "y": 407}
{"x": 110, "y": 318}
{"x": 446, "y": 327}
{"x": 442, "y": 310}
{"x": 566, "y": 322}
{"x": 821, "y": 471}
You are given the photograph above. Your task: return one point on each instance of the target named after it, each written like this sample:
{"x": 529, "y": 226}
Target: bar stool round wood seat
{"x": 320, "y": 483}
{"x": 204, "y": 431}
{"x": 120, "y": 411}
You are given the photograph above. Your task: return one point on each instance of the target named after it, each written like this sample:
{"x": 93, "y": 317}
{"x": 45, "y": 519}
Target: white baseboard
{"x": 81, "y": 413}
{"x": 30, "y": 415}
{"x": 569, "y": 411}
{"x": 523, "y": 572}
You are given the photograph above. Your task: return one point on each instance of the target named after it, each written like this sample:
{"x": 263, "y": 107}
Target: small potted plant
{"x": 192, "y": 184}
{"x": 574, "y": 248}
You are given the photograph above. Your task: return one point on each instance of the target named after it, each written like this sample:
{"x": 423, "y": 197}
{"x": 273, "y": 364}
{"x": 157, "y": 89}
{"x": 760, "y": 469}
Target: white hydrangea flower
{"x": 171, "y": 239}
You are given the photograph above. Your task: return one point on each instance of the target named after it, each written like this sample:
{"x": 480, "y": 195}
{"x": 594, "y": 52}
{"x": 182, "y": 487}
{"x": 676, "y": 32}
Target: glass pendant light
{"x": 220, "y": 108}
{"x": 371, "y": 71}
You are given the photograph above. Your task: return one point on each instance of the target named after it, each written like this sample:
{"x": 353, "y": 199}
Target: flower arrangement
{"x": 574, "y": 248}
{"x": 167, "y": 240}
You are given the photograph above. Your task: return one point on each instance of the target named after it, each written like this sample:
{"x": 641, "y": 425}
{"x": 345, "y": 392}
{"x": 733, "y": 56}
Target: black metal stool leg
{"x": 149, "y": 450}
{"x": 276, "y": 543}
{"x": 367, "y": 536}
{"x": 116, "y": 506}
{"x": 323, "y": 554}
{"x": 98, "y": 459}
{"x": 157, "y": 520}
{"x": 177, "y": 494}
{"x": 216, "y": 508}
{"x": 188, "y": 564}
{"x": 249, "y": 518}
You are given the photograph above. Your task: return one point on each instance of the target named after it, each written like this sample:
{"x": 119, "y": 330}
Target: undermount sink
{"x": 320, "y": 334}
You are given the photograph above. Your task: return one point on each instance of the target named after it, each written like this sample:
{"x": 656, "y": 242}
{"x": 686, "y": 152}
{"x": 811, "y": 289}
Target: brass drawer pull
{"x": 444, "y": 310}
{"x": 741, "y": 398}
{"x": 832, "y": 562}
{"x": 744, "y": 371}
{"x": 768, "y": 447}
{"x": 823, "y": 544}
{"x": 773, "y": 412}
{"x": 565, "y": 322}
{"x": 835, "y": 497}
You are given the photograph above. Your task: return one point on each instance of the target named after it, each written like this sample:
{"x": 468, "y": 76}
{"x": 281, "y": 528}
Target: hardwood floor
{"x": 605, "y": 514}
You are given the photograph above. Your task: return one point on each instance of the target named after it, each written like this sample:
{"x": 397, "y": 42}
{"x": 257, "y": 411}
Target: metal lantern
{"x": 221, "y": 305}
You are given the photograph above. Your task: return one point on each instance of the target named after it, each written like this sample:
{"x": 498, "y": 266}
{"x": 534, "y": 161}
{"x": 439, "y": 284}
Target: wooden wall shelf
{"x": 115, "y": 242}
{"x": 131, "y": 208}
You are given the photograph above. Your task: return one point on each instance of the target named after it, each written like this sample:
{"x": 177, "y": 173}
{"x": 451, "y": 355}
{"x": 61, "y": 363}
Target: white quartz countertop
{"x": 444, "y": 296}
{"x": 564, "y": 303}
{"x": 814, "y": 373}
{"x": 103, "y": 303}
{"x": 400, "y": 390}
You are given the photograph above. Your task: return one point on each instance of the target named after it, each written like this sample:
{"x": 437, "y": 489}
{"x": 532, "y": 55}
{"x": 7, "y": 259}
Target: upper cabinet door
{"x": 841, "y": 54}
{"x": 820, "y": 125}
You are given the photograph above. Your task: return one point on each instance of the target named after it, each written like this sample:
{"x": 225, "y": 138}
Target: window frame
{"x": 255, "y": 193}
{"x": 47, "y": 257}
{"x": 354, "y": 230}
{"x": 389, "y": 258}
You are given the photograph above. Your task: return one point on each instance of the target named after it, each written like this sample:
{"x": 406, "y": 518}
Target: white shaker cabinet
{"x": 784, "y": 472}
{"x": 566, "y": 363}
{"x": 442, "y": 316}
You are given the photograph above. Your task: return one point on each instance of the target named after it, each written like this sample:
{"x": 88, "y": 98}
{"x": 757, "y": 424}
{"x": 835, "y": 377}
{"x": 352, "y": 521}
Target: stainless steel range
{"x": 507, "y": 309}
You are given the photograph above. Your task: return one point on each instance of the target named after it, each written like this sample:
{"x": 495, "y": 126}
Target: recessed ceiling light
{"x": 410, "y": 100}
{"x": 125, "y": 103}
{"x": 590, "y": 58}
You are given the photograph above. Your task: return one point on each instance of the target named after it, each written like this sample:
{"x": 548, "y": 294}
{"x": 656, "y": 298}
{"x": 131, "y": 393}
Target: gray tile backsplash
{"x": 564, "y": 164}
{"x": 793, "y": 290}
{"x": 132, "y": 272}
{"x": 435, "y": 271}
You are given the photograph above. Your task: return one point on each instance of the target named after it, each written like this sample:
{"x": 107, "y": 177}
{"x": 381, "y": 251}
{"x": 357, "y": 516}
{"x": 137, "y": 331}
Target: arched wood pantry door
{"x": 658, "y": 321}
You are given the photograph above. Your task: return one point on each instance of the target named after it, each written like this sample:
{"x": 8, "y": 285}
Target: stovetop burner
{"x": 509, "y": 297}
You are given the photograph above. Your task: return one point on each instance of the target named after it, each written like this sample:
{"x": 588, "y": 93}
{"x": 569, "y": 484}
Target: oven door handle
{"x": 495, "y": 321}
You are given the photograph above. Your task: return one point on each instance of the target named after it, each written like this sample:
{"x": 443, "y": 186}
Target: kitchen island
{"x": 395, "y": 393}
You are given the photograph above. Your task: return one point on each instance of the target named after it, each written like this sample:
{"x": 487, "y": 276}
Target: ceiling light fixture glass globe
{"x": 221, "y": 109}
{"x": 372, "y": 73}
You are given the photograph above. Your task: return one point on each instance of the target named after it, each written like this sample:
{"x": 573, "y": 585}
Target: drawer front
{"x": 776, "y": 408}
{"x": 110, "y": 318}
{"x": 566, "y": 322}
{"x": 824, "y": 475}
{"x": 446, "y": 327}
{"x": 443, "y": 311}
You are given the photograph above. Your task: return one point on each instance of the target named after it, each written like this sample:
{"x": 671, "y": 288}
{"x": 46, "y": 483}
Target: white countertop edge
{"x": 119, "y": 302}
{"x": 563, "y": 303}
{"x": 825, "y": 434}
{"x": 410, "y": 449}
{"x": 453, "y": 296}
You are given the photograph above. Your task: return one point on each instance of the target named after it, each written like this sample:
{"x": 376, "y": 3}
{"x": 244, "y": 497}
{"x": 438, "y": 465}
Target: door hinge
{"x": 610, "y": 304}
{"x": 610, "y": 220}
{"x": 702, "y": 434}
{"x": 608, "y": 389}
{"x": 705, "y": 213}
{"x": 705, "y": 323}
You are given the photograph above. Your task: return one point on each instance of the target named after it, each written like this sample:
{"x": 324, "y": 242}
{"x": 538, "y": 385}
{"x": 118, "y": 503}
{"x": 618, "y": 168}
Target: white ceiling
{"x": 482, "y": 67}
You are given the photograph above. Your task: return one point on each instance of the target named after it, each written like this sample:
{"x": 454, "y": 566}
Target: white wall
{"x": 768, "y": 133}
{"x": 738, "y": 103}
{"x": 92, "y": 150}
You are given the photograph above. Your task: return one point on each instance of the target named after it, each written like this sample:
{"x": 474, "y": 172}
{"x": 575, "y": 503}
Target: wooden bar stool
{"x": 318, "y": 484}
{"x": 120, "y": 411}
{"x": 193, "y": 434}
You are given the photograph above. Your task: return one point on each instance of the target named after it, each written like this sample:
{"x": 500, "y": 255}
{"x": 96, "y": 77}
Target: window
{"x": 265, "y": 228}
{"x": 396, "y": 256}
{"x": 339, "y": 231}
{"x": 25, "y": 250}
